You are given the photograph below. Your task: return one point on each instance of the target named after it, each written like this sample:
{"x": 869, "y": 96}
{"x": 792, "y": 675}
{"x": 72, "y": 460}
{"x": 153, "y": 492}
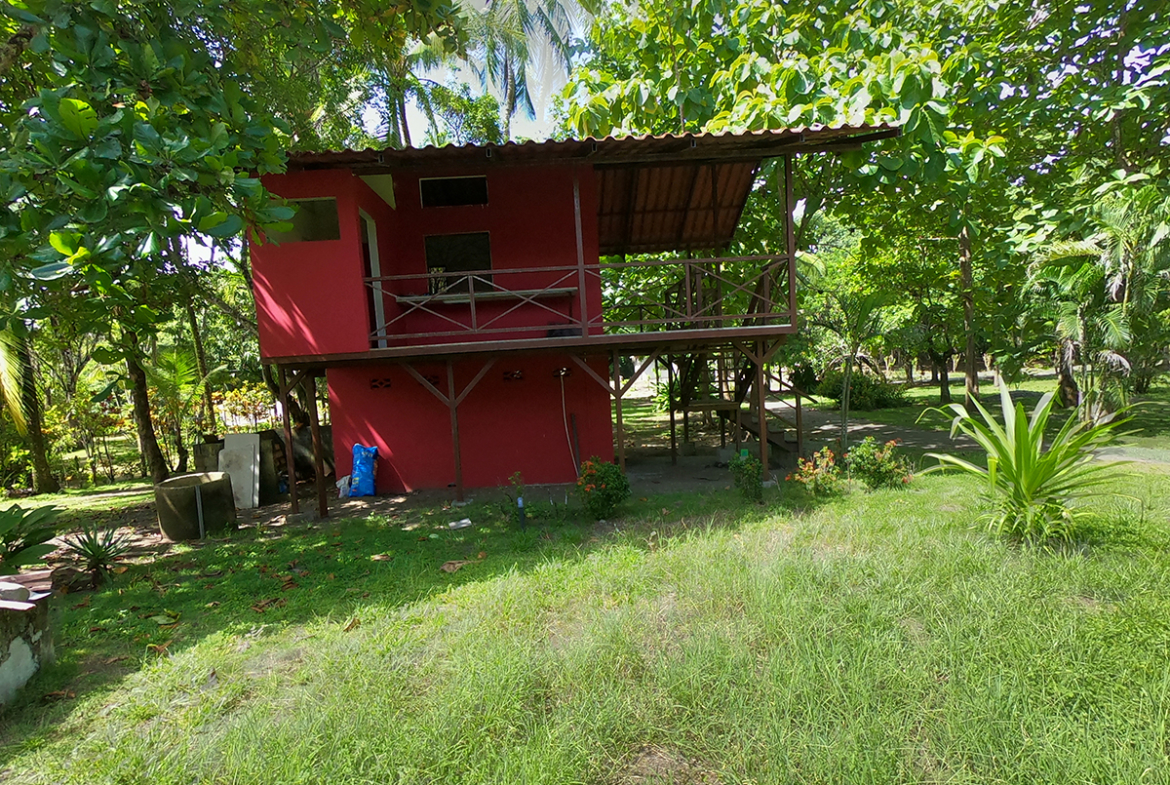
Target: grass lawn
{"x": 878, "y": 637}
{"x": 1151, "y": 415}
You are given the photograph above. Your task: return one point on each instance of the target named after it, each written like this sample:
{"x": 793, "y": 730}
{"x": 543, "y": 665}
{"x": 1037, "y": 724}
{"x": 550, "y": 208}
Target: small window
{"x": 455, "y": 253}
{"x": 453, "y": 191}
{"x": 315, "y": 219}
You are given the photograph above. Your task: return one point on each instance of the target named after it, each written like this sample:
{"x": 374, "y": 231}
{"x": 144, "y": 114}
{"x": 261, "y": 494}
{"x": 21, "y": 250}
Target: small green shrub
{"x": 25, "y": 535}
{"x": 97, "y": 550}
{"x": 602, "y": 487}
{"x": 865, "y": 392}
{"x": 1034, "y": 488}
{"x": 878, "y": 466}
{"x": 748, "y": 475}
{"x": 820, "y": 474}
{"x": 663, "y": 393}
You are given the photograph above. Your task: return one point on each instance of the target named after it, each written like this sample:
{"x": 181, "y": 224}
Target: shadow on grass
{"x": 266, "y": 580}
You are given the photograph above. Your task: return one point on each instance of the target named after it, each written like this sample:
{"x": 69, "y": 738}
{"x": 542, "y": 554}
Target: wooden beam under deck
{"x": 635, "y": 344}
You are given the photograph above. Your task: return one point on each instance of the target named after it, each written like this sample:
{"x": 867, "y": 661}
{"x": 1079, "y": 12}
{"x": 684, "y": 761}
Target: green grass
{"x": 1151, "y": 416}
{"x": 879, "y": 637}
{"x": 103, "y": 506}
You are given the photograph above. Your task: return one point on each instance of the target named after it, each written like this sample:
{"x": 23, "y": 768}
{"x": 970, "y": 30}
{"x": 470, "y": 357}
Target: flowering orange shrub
{"x": 820, "y": 474}
{"x": 878, "y": 466}
{"x": 602, "y": 487}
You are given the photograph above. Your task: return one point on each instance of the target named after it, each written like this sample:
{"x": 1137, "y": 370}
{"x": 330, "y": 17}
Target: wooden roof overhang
{"x": 655, "y": 193}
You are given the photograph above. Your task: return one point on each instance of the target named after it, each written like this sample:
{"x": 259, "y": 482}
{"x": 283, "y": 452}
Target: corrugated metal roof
{"x": 611, "y": 149}
{"x": 655, "y": 193}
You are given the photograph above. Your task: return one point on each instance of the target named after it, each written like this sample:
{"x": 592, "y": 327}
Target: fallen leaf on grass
{"x": 381, "y": 557}
{"x": 165, "y": 619}
{"x": 352, "y": 624}
{"x": 119, "y": 658}
{"x": 329, "y": 577}
{"x": 454, "y": 566}
{"x": 58, "y": 695}
{"x": 159, "y": 648}
{"x": 263, "y": 605}
{"x": 212, "y": 604}
{"x": 481, "y": 555}
{"x": 97, "y": 629}
{"x": 84, "y": 603}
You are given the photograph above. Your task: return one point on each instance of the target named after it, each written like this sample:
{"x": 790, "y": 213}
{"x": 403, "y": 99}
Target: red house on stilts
{"x": 470, "y": 306}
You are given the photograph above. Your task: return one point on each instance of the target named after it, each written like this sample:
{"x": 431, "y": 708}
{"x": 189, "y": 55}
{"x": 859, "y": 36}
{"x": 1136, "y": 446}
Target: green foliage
{"x": 97, "y": 550}
{"x": 748, "y": 475}
{"x": 25, "y": 535}
{"x": 820, "y": 474}
{"x": 663, "y": 394}
{"x": 1035, "y": 488}
{"x": 602, "y": 487}
{"x": 866, "y": 392}
{"x": 466, "y": 119}
{"x": 878, "y": 466}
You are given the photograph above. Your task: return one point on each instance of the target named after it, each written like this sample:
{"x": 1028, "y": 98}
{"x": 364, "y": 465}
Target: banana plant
{"x": 25, "y": 535}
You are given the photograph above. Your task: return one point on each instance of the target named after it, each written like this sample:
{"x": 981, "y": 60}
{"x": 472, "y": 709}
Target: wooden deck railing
{"x": 705, "y": 298}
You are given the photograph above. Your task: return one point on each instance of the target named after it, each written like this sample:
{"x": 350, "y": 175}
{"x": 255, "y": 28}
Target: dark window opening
{"x": 458, "y": 253}
{"x": 315, "y": 219}
{"x": 453, "y": 191}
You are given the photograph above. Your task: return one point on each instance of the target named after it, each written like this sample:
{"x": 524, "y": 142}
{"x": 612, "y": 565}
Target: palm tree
{"x": 178, "y": 392}
{"x": 19, "y": 393}
{"x": 506, "y": 39}
{"x": 1107, "y": 296}
{"x": 855, "y": 318}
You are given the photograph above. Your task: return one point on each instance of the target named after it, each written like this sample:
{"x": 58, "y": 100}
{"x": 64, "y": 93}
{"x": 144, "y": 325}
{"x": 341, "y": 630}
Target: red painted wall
{"x": 504, "y": 426}
{"x": 310, "y": 297}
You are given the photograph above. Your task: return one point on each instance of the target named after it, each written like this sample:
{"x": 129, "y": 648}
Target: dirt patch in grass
{"x": 654, "y": 765}
{"x": 915, "y": 631}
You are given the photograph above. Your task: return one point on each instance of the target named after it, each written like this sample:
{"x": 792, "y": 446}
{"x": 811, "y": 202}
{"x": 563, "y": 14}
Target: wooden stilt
{"x": 617, "y": 393}
{"x": 670, "y": 401}
{"x": 762, "y": 408}
{"x": 294, "y": 503}
{"x": 453, "y": 405}
{"x": 799, "y": 426}
{"x": 318, "y": 453}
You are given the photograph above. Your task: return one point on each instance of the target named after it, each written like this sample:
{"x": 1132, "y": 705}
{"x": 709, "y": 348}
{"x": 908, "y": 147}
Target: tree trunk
{"x": 156, "y": 465}
{"x": 201, "y": 360}
{"x": 1068, "y": 393}
{"x": 42, "y": 475}
{"x": 846, "y": 383}
{"x": 968, "y": 284}
{"x": 181, "y": 451}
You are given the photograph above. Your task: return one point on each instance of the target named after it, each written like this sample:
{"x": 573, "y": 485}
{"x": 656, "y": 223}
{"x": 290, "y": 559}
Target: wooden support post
{"x": 582, "y": 284}
{"x": 318, "y": 455}
{"x": 453, "y": 405}
{"x": 670, "y": 401}
{"x": 295, "y": 506}
{"x": 452, "y": 400}
{"x": 762, "y": 406}
{"x": 617, "y": 392}
{"x": 799, "y": 425}
{"x": 790, "y": 238}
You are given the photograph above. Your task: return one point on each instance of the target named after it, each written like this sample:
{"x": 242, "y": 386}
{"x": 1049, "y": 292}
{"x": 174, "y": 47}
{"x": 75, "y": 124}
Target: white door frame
{"x": 375, "y": 272}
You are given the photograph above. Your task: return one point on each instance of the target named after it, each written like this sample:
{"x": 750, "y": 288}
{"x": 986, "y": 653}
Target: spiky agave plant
{"x": 97, "y": 550}
{"x": 1035, "y": 487}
